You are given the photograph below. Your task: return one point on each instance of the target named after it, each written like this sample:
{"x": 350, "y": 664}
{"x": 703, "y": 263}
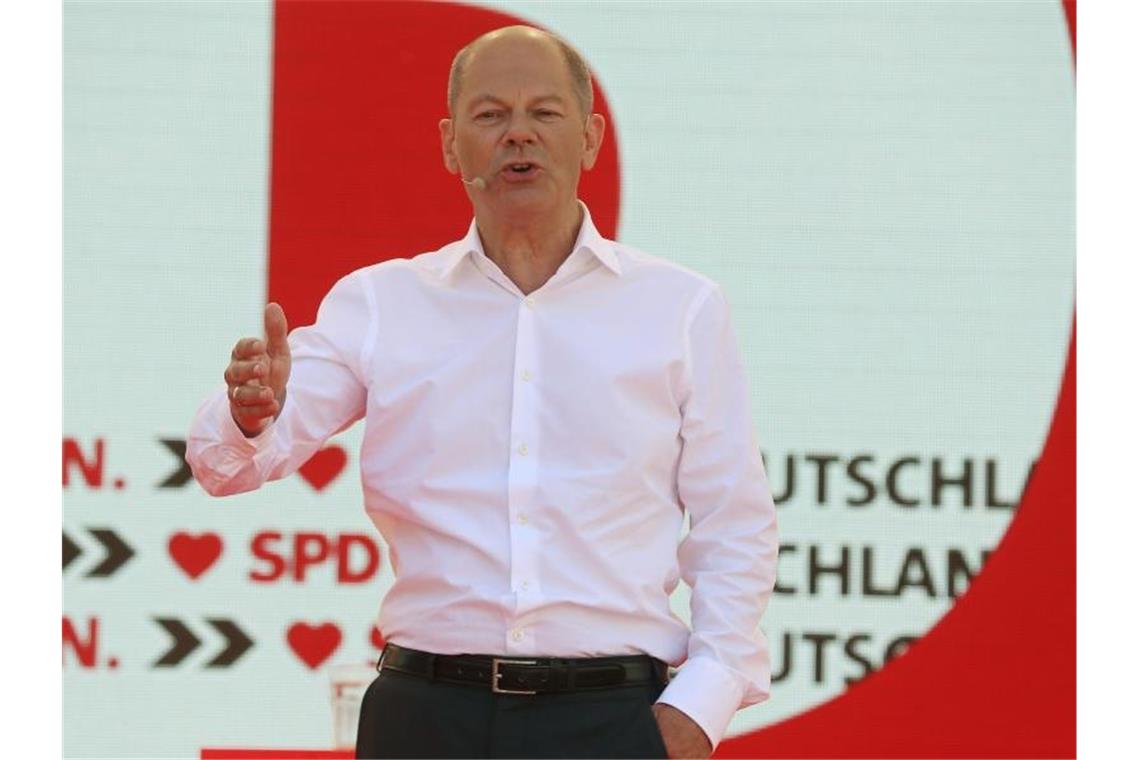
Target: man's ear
{"x": 447, "y": 139}
{"x": 595, "y": 132}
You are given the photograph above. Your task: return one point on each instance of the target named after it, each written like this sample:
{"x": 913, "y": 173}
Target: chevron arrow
{"x": 70, "y": 551}
{"x": 184, "y": 641}
{"x": 117, "y": 552}
{"x": 181, "y": 475}
{"x": 237, "y": 643}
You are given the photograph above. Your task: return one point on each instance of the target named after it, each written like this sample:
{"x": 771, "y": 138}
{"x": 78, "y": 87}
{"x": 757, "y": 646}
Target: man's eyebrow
{"x": 479, "y": 100}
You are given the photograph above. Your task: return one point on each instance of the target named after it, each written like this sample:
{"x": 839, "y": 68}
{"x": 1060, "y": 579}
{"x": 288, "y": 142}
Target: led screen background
{"x": 884, "y": 190}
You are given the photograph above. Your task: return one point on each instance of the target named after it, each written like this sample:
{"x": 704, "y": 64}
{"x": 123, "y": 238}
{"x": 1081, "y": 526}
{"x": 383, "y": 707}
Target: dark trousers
{"x": 408, "y": 716}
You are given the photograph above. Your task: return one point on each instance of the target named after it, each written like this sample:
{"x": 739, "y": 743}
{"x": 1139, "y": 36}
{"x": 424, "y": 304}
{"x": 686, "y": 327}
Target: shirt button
{"x": 516, "y": 635}
{"x": 523, "y": 449}
{"x": 523, "y": 518}
{"x": 526, "y": 375}
{"x": 524, "y": 585}
{"x": 529, "y": 301}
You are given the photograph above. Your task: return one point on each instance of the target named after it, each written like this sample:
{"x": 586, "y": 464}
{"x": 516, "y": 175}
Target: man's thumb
{"x": 276, "y": 330}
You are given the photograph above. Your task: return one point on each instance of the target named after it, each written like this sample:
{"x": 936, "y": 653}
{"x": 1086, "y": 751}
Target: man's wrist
{"x": 707, "y": 692}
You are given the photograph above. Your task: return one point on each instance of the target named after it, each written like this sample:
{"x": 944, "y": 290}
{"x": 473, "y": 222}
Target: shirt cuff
{"x": 707, "y": 692}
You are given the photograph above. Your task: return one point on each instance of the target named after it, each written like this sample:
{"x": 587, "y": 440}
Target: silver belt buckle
{"x": 496, "y": 675}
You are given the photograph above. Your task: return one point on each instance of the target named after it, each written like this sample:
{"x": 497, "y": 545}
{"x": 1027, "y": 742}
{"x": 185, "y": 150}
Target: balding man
{"x": 543, "y": 406}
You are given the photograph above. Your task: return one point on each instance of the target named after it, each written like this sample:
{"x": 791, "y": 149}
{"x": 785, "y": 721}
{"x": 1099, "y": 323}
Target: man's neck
{"x": 530, "y": 251}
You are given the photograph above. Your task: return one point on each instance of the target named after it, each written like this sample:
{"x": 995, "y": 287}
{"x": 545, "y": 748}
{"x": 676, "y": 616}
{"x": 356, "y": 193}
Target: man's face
{"x": 518, "y": 125}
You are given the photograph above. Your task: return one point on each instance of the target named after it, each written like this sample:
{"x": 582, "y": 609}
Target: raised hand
{"x": 257, "y": 374}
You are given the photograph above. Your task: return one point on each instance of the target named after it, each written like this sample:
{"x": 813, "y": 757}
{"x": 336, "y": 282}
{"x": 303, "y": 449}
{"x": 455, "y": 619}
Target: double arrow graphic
{"x": 181, "y": 473}
{"x": 116, "y": 552}
{"x": 184, "y": 642}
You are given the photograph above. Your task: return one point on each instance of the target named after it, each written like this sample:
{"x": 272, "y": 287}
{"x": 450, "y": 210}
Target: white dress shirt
{"x": 529, "y": 459}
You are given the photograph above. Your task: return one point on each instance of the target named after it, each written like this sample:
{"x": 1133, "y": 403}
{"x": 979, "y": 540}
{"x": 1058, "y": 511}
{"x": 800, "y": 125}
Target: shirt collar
{"x": 588, "y": 238}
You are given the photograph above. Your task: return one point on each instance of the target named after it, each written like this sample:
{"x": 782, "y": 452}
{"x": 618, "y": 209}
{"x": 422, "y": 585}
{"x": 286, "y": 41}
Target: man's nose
{"x": 519, "y": 131}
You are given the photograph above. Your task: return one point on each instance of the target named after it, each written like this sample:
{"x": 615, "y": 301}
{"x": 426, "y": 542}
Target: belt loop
{"x": 431, "y": 666}
{"x": 383, "y": 653}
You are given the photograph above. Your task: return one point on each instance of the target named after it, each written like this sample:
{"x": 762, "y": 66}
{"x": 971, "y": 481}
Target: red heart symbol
{"x": 377, "y": 638}
{"x": 313, "y": 644}
{"x": 195, "y": 554}
{"x": 323, "y": 467}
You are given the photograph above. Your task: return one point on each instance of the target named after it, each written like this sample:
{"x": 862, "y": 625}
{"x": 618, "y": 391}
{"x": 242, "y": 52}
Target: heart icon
{"x": 376, "y": 638}
{"x": 313, "y": 644}
{"x": 195, "y": 554}
{"x": 324, "y": 466}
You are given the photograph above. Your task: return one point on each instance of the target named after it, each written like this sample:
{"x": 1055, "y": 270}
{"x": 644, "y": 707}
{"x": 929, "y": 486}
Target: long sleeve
{"x": 326, "y": 393}
{"x": 729, "y": 556}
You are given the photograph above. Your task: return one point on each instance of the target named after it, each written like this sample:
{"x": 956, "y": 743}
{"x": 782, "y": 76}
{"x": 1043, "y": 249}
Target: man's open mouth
{"x": 520, "y": 169}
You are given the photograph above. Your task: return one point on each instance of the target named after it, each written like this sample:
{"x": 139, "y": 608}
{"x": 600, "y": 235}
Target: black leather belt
{"x": 537, "y": 675}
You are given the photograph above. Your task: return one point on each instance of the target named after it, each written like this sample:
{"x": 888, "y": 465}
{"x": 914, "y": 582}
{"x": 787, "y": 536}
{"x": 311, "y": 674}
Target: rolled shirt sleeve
{"x": 729, "y": 556}
{"x": 326, "y": 393}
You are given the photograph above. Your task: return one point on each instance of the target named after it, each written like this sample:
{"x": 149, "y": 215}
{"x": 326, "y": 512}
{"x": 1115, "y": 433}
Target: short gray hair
{"x": 575, "y": 64}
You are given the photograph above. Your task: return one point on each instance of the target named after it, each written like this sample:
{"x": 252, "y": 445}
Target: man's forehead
{"x": 511, "y": 35}
{"x": 513, "y": 50}
{"x": 517, "y": 63}
{"x": 517, "y": 68}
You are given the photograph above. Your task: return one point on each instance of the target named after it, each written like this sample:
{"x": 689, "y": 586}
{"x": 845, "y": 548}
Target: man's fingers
{"x": 276, "y": 330}
{"x": 247, "y": 348}
{"x": 252, "y": 360}
{"x": 240, "y": 372}
{"x": 250, "y": 395}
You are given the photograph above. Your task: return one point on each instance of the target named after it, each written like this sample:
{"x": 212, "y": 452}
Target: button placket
{"x": 522, "y": 478}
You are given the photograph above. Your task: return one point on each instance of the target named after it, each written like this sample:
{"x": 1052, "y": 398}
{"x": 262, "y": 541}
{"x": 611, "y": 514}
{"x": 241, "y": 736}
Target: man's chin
{"x": 524, "y": 200}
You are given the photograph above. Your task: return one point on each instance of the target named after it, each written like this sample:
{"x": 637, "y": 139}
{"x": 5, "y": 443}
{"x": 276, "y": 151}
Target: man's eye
{"x": 486, "y": 115}
{"x": 547, "y": 114}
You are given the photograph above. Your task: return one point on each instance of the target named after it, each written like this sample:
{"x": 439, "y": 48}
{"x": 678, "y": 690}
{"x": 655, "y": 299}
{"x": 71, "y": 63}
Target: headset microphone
{"x": 478, "y": 183}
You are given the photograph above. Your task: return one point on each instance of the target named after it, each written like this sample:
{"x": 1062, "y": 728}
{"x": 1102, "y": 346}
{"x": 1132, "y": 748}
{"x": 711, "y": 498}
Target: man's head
{"x": 520, "y": 101}
{"x": 575, "y": 64}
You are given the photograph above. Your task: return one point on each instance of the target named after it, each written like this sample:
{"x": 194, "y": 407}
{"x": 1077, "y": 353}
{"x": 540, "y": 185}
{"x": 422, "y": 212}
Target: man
{"x": 542, "y": 408}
